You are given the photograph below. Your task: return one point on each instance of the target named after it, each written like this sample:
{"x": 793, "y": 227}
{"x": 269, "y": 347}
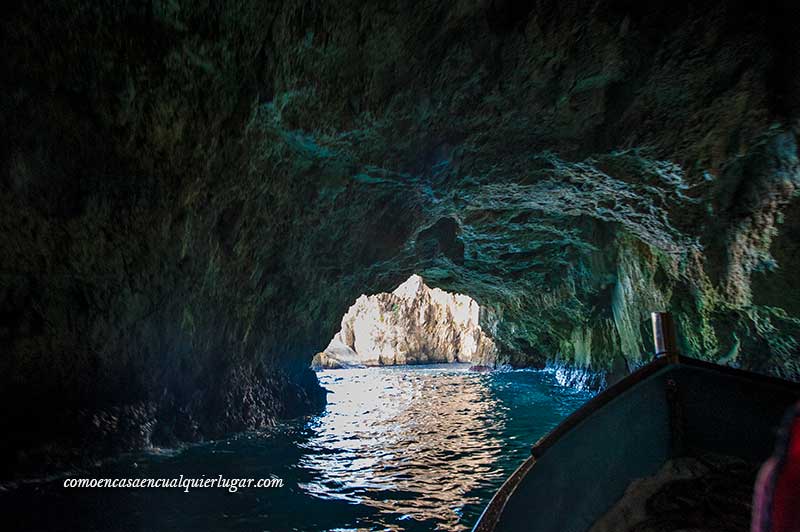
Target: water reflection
{"x": 403, "y": 448}
{"x": 416, "y": 443}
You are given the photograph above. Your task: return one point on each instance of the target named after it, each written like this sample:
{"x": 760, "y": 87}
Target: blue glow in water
{"x": 397, "y": 448}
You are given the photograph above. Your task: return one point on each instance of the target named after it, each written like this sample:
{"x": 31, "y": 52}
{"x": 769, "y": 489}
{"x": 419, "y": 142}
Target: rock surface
{"x": 414, "y": 324}
{"x": 192, "y": 193}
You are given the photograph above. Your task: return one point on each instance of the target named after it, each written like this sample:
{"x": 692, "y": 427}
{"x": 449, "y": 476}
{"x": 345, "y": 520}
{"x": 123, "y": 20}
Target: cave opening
{"x": 423, "y": 418}
{"x": 414, "y": 324}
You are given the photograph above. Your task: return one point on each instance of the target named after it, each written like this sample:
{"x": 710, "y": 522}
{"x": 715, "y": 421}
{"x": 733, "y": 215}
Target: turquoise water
{"x": 398, "y": 448}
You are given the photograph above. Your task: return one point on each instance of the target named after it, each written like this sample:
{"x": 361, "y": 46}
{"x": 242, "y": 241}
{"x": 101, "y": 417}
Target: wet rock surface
{"x": 413, "y": 324}
{"x": 193, "y": 193}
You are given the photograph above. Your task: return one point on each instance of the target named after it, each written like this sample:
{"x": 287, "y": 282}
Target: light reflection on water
{"x": 398, "y": 448}
{"x": 425, "y": 443}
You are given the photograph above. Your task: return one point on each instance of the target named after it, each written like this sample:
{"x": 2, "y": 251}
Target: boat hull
{"x": 664, "y": 410}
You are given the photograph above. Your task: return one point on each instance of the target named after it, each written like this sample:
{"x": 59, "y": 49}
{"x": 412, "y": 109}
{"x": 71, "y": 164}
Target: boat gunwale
{"x": 494, "y": 510}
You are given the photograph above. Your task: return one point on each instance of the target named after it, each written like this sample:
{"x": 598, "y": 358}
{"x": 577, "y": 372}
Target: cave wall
{"x": 194, "y": 192}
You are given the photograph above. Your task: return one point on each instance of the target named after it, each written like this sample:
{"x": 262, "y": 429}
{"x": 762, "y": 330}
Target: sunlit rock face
{"x": 414, "y": 324}
{"x": 193, "y": 193}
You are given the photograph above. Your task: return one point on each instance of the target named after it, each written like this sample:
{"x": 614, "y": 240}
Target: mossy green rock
{"x": 193, "y": 193}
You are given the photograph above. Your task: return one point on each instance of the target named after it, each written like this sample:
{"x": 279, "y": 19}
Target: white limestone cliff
{"x": 414, "y": 324}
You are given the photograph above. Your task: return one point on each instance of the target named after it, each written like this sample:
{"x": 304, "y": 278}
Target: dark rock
{"x": 192, "y": 195}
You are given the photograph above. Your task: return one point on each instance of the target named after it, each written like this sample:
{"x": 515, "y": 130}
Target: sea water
{"x": 411, "y": 448}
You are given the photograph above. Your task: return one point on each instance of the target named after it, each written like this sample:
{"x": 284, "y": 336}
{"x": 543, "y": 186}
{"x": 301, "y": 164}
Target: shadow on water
{"x": 400, "y": 448}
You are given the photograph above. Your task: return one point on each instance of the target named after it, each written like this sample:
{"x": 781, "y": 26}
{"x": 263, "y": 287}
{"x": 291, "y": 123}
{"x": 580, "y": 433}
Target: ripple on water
{"x": 426, "y": 444}
{"x": 404, "y": 448}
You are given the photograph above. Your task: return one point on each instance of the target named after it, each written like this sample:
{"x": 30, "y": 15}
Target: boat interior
{"x": 674, "y": 446}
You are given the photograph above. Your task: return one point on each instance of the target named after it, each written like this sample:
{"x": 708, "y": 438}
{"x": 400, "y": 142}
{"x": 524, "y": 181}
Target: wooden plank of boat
{"x": 672, "y": 407}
